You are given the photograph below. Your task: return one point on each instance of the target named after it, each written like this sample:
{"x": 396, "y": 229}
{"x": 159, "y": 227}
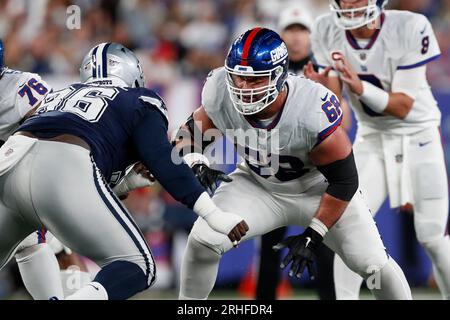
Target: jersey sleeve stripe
{"x": 328, "y": 131}
{"x": 418, "y": 64}
{"x": 41, "y": 235}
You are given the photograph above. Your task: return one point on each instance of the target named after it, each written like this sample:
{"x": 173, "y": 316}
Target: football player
{"x": 54, "y": 172}
{"x": 21, "y": 93}
{"x": 381, "y": 56}
{"x": 294, "y": 25}
{"x": 296, "y": 122}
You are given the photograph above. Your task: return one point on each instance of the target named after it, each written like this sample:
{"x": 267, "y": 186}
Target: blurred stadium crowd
{"x": 178, "y": 42}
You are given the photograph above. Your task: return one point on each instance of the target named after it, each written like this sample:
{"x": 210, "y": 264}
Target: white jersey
{"x": 310, "y": 114}
{"x": 405, "y": 40}
{"x": 19, "y": 93}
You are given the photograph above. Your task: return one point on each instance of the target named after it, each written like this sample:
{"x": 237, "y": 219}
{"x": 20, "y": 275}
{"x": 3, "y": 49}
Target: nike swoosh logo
{"x": 421, "y": 32}
{"x": 308, "y": 240}
{"x": 421, "y": 144}
{"x": 94, "y": 287}
{"x": 324, "y": 98}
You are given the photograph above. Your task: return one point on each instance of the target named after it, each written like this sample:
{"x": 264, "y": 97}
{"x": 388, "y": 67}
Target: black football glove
{"x": 209, "y": 178}
{"x": 302, "y": 254}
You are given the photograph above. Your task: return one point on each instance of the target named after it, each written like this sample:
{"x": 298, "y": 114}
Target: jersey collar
{"x": 352, "y": 41}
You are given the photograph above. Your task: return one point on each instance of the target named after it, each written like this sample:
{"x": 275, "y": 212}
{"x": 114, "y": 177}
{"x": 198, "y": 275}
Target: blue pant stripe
{"x": 118, "y": 218}
{"x": 120, "y": 205}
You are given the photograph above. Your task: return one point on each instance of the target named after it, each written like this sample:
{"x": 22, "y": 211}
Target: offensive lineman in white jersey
{"x": 20, "y": 94}
{"x": 263, "y": 100}
{"x": 381, "y": 56}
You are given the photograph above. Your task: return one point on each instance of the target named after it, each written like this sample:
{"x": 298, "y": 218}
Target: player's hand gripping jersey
{"x": 311, "y": 113}
{"x": 404, "y": 41}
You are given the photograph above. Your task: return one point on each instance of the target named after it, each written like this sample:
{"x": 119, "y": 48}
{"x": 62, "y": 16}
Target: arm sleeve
{"x": 155, "y": 152}
{"x": 32, "y": 90}
{"x": 420, "y": 44}
{"x": 342, "y": 177}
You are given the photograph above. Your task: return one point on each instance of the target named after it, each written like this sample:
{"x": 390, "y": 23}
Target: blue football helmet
{"x": 2, "y": 61}
{"x": 258, "y": 52}
{"x": 349, "y": 19}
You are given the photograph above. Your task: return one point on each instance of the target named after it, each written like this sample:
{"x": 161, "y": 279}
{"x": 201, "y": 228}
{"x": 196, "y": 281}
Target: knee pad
{"x": 202, "y": 252}
{"x": 216, "y": 241}
{"x": 431, "y": 181}
{"x": 428, "y": 231}
{"x": 367, "y": 264}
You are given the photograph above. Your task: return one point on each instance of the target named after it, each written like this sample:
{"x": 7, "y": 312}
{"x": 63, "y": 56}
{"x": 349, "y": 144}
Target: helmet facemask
{"x": 354, "y": 18}
{"x": 253, "y": 100}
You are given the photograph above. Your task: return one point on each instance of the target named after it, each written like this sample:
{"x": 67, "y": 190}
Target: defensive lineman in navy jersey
{"x": 105, "y": 119}
{"x": 56, "y": 170}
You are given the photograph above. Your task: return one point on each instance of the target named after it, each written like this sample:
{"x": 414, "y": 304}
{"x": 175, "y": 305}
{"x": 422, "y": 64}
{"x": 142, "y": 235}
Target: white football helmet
{"x": 354, "y": 18}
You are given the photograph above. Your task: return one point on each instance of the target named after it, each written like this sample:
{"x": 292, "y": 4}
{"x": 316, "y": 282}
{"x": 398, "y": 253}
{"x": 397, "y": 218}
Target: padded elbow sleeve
{"x": 191, "y": 131}
{"x": 342, "y": 177}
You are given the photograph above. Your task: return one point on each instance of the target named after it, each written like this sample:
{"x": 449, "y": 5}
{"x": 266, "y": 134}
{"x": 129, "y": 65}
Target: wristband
{"x": 194, "y": 158}
{"x": 318, "y": 226}
{"x": 376, "y": 99}
{"x": 204, "y": 205}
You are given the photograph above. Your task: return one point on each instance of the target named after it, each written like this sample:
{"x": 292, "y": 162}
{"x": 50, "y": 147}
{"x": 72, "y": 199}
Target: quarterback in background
{"x": 381, "y": 57}
{"x": 314, "y": 186}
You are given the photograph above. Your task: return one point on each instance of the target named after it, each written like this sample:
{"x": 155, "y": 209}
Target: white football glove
{"x": 133, "y": 180}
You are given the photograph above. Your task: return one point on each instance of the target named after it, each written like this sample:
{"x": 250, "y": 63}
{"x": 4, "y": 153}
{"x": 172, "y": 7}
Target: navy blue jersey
{"x": 122, "y": 126}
